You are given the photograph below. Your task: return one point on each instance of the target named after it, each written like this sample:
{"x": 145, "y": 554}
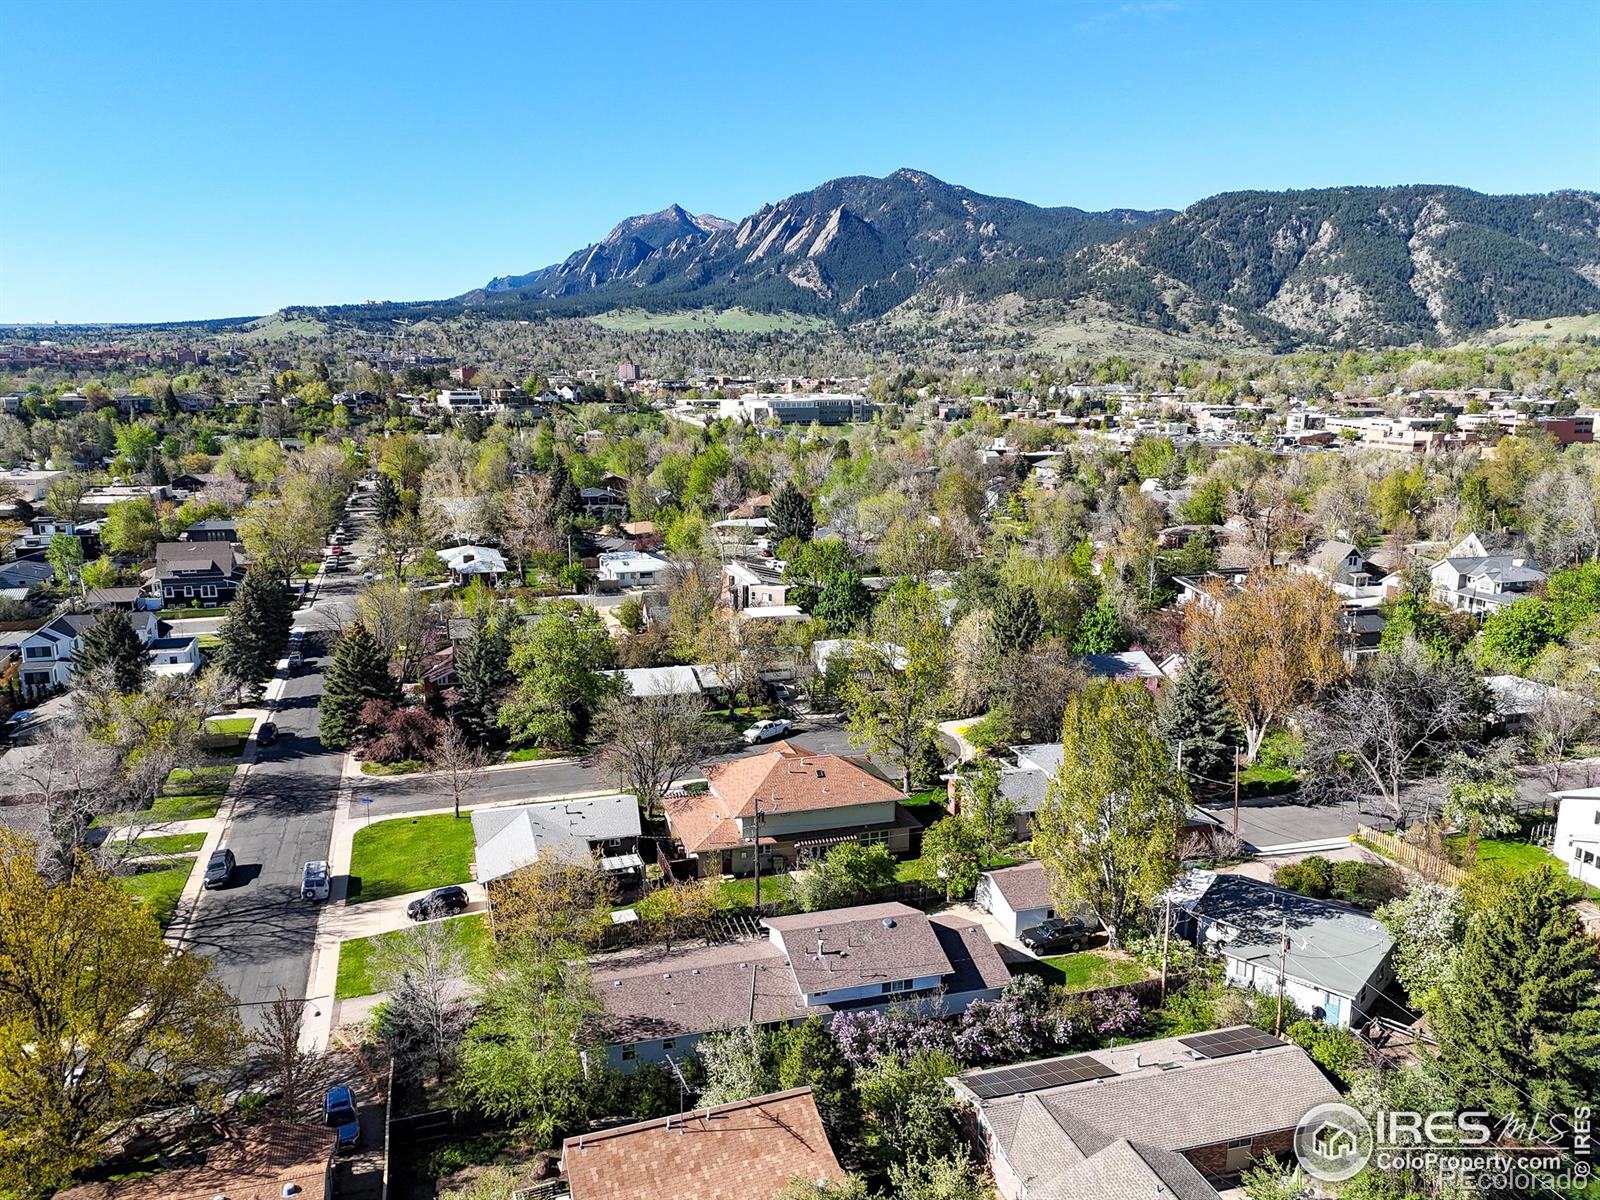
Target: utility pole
{"x": 1283, "y": 954}
{"x": 1166, "y": 933}
{"x": 1236, "y": 791}
{"x": 757, "y": 830}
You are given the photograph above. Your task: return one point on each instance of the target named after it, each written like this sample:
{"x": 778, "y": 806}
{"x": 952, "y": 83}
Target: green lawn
{"x": 1083, "y": 971}
{"x": 406, "y": 766}
{"x": 237, "y": 726}
{"x": 358, "y": 957}
{"x": 183, "y": 614}
{"x": 908, "y": 870}
{"x": 534, "y": 754}
{"x": 160, "y": 889}
{"x": 409, "y": 854}
{"x": 170, "y": 843}
{"x": 927, "y": 798}
{"x": 190, "y": 793}
{"x": 1516, "y": 857}
{"x": 741, "y": 893}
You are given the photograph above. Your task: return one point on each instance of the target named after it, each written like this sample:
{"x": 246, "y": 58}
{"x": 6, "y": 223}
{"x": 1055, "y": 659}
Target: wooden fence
{"x": 1426, "y": 864}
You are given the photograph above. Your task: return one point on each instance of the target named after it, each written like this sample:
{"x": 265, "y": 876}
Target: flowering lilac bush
{"x": 1026, "y": 1021}
{"x": 868, "y": 1038}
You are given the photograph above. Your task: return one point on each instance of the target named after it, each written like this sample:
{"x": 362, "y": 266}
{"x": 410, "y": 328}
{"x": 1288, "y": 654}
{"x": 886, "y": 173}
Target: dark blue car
{"x": 339, "y": 1112}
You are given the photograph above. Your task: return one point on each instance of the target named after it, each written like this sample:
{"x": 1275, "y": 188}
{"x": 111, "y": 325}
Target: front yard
{"x": 161, "y": 888}
{"x": 190, "y": 793}
{"x": 1084, "y": 971}
{"x": 409, "y": 854}
{"x": 358, "y": 958}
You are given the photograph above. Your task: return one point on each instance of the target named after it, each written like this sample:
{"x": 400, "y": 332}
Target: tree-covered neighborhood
{"x": 906, "y": 694}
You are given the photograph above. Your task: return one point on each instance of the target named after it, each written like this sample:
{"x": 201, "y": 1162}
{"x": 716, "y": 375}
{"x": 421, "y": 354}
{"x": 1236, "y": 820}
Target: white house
{"x": 1577, "y": 839}
{"x": 473, "y": 562}
{"x": 461, "y": 401}
{"x": 47, "y": 653}
{"x": 1336, "y": 964}
{"x": 1017, "y": 897}
{"x": 573, "y": 831}
{"x": 1470, "y": 579}
{"x": 632, "y": 568}
{"x": 175, "y": 655}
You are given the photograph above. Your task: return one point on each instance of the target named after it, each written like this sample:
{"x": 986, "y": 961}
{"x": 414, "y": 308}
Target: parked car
{"x": 294, "y": 661}
{"x": 440, "y": 902}
{"x": 766, "y": 731}
{"x": 267, "y": 734}
{"x": 219, "y": 869}
{"x": 316, "y": 882}
{"x": 1056, "y": 933}
{"x": 339, "y": 1113}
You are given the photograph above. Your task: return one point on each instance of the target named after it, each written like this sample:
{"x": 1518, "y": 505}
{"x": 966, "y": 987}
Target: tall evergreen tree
{"x": 111, "y": 642}
{"x": 386, "y": 496}
{"x": 483, "y": 674}
{"x": 1198, "y": 724}
{"x": 791, "y": 515}
{"x": 1518, "y": 1021}
{"x": 359, "y": 672}
{"x": 568, "y": 503}
{"x": 255, "y": 629}
{"x": 1017, "y": 620}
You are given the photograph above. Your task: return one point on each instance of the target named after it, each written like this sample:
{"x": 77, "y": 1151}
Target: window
{"x": 629, "y": 1054}
{"x": 209, "y": 590}
{"x": 873, "y": 837}
{"x": 188, "y": 592}
{"x": 1238, "y": 1143}
{"x": 896, "y": 985}
{"x": 669, "y": 1044}
{"x": 40, "y": 652}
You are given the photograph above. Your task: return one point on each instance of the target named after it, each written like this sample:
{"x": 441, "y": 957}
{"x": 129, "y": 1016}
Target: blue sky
{"x": 174, "y": 161}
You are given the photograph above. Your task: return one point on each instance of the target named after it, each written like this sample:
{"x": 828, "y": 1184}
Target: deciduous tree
{"x": 897, "y": 677}
{"x": 1108, "y": 829}
{"x": 556, "y": 660}
{"x": 1275, "y": 643}
{"x": 100, "y": 1021}
{"x": 647, "y": 742}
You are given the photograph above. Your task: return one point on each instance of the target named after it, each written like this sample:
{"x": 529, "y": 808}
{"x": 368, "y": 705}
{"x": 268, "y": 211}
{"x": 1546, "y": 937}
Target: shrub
{"x": 1310, "y": 877}
{"x": 1335, "y": 1050}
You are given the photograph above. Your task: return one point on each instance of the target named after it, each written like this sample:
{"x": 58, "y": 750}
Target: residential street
{"x": 546, "y": 780}
{"x": 258, "y": 931}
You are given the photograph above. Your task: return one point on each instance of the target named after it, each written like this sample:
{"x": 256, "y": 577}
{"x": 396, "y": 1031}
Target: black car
{"x": 267, "y": 734}
{"x": 440, "y": 902}
{"x": 219, "y": 869}
{"x": 1057, "y": 933}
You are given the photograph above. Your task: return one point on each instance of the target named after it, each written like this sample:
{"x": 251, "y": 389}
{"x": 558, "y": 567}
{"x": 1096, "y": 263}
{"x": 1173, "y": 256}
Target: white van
{"x": 314, "y": 884}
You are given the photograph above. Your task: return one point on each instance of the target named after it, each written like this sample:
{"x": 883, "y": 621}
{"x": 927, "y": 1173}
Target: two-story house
{"x": 1577, "y": 837}
{"x": 632, "y": 568}
{"x": 46, "y": 655}
{"x": 753, "y": 585}
{"x": 195, "y": 574}
{"x": 1470, "y": 579}
{"x": 658, "y": 1003}
{"x": 793, "y": 804}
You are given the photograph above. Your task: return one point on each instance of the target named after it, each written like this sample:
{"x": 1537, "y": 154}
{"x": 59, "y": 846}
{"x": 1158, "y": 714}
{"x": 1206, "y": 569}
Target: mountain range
{"x": 1362, "y": 266}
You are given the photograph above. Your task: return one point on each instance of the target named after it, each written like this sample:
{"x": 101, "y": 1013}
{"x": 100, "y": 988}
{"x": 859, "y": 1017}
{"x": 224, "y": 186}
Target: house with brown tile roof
{"x": 803, "y": 804}
{"x": 659, "y": 1003}
{"x": 264, "y": 1162}
{"x": 748, "y": 1150}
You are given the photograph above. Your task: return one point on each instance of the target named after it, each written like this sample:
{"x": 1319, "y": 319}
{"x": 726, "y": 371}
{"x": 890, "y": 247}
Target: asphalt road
{"x": 258, "y": 931}
{"x": 543, "y": 780}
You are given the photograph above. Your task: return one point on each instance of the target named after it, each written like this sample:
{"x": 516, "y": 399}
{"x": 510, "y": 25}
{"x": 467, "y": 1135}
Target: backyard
{"x": 1513, "y": 853}
{"x": 1083, "y": 971}
{"x": 409, "y": 854}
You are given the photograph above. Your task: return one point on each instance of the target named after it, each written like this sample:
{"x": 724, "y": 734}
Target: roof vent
{"x": 291, "y": 1189}
{"x": 616, "y": 983}
{"x": 667, "y": 975}
{"x": 888, "y": 922}
{"x": 695, "y": 971}
{"x": 821, "y": 774}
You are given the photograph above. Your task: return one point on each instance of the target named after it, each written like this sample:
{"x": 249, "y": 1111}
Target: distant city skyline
{"x": 185, "y": 161}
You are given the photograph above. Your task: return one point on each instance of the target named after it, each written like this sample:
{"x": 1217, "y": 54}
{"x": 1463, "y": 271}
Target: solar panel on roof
{"x": 1034, "y": 1077}
{"x": 1229, "y": 1042}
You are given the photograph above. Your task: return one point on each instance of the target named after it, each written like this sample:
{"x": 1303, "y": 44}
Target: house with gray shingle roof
{"x": 572, "y": 831}
{"x": 1142, "y": 1120}
{"x": 1337, "y": 963}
